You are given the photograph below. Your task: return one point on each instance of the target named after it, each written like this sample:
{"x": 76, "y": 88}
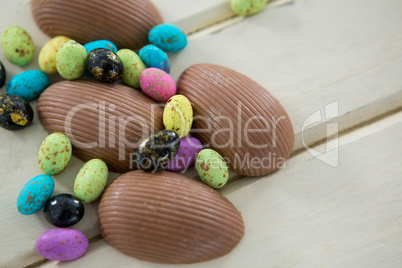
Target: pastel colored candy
{"x": 212, "y": 168}
{"x": 28, "y": 85}
{"x": 54, "y": 154}
{"x": 34, "y": 194}
{"x": 157, "y": 84}
{"x": 155, "y": 57}
{"x": 62, "y": 244}
{"x": 178, "y": 115}
{"x": 167, "y": 37}
{"x": 47, "y": 55}
{"x": 247, "y": 7}
{"x": 17, "y": 45}
{"x": 133, "y": 67}
{"x": 91, "y": 180}
{"x": 100, "y": 44}
{"x": 15, "y": 113}
{"x": 70, "y": 60}
{"x": 2, "y": 75}
{"x": 186, "y": 155}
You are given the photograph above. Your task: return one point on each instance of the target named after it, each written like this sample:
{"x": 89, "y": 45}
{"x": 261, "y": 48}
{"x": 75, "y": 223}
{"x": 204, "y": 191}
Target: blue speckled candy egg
{"x": 34, "y": 194}
{"x": 155, "y": 57}
{"x": 167, "y": 37}
{"x": 100, "y": 44}
{"x": 28, "y": 85}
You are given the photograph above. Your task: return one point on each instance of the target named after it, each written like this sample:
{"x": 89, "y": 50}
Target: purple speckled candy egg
{"x": 62, "y": 244}
{"x": 157, "y": 84}
{"x": 186, "y": 155}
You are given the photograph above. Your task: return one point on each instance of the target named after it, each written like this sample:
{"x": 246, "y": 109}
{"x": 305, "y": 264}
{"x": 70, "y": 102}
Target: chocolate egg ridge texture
{"x": 166, "y": 217}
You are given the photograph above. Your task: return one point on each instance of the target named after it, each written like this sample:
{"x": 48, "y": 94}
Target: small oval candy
{"x": 34, "y": 194}
{"x": 28, "y": 85}
{"x": 106, "y": 44}
{"x": 167, "y": 37}
{"x": 178, "y": 115}
{"x": 15, "y": 113}
{"x": 91, "y": 180}
{"x": 2, "y": 75}
{"x": 104, "y": 65}
{"x": 63, "y": 210}
{"x": 185, "y": 156}
{"x": 156, "y": 150}
{"x": 47, "y": 55}
{"x": 70, "y": 60}
{"x": 61, "y": 244}
{"x": 133, "y": 67}
{"x": 212, "y": 168}
{"x": 154, "y": 57}
{"x": 157, "y": 84}
{"x": 247, "y": 7}
{"x": 17, "y": 45}
{"x": 54, "y": 154}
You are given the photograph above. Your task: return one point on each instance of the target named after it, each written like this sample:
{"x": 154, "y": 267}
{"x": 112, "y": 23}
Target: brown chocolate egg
{"x": 126, "y": 23}
{"x": 101, "y": 120}
{"x": 166, "y": 217}
{"x": 238, "y": 118}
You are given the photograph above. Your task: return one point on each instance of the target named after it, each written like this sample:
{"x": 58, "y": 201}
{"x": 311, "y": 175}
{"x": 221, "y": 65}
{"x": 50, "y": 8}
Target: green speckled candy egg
{"x": 54, "y": 154}
{"x": 47, "y": 55}
{"x": 178, "y": 115}
{"x": 70, "y": 60}
{"x": 17, "y": 45}
{"x": 212, "y": 168}
{"x": 247, "y": 7}
{"x": 91, "y": 180}
{"x": 133, "y": 66}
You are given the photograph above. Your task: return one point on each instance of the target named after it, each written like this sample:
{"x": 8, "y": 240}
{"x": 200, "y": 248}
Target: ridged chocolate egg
{"x": 125, "y": 23}
{"x": 238, "y": 118}
{"x": 166, "y": 217}
{"x": 104, "y": 121}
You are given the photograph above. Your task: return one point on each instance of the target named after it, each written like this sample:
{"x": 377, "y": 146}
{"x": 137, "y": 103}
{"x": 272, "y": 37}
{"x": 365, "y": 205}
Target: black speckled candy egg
{"x": 104, "y": 65}
{"x": 15, "y": 113}
{"x": 63, "y": 210}
{"x": 2, "y": 75}
{"x": 155, "y": 151}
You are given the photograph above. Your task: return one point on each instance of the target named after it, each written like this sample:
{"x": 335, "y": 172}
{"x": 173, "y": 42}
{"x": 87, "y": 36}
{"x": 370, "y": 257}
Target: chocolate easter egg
{"x": 238, "y": 118}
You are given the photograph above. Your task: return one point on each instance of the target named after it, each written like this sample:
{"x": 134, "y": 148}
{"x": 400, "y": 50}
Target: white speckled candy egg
{"x": 54, "y": 154}
{"x": 157, "y": 84}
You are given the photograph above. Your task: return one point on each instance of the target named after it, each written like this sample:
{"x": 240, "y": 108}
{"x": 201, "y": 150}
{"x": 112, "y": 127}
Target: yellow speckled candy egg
{"x": 71, "y": 60}
{"x": 178, "y": 115}
{"x": 91, "y": 180}
{"x": 17, "y": 45}
{"x": 47, "y": 55}
{"x": 133, "y": 67}
{"x": 54, "y": 154}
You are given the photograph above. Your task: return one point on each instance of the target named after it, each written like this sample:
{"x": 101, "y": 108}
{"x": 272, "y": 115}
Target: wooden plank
{"x": 312, "y": 214}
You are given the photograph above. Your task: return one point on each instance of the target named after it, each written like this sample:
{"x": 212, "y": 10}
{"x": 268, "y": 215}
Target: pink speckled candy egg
{"x": 185, "y": 156}
{"x": 62, "y": 244}
{"x": 157, "y": 84}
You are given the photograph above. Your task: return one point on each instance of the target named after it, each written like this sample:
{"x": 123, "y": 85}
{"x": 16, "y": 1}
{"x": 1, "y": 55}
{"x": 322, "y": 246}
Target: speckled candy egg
{"x": 34, "y": 194}
{"x": 91, "y": 180}
{"x": 157, "y": 84}
{"x": 167, "y": 37}
{"x": 104, "y": 65}
{"x": 70, "y": 60}
{"x": 178, "y": 115}
{"x": 63, "y": 210}
{"x": 54, "y": 154}
{"x": 155, "y": 151}
{"x": 185, "y": 156}
{"x": 133, "y": 67}
{"x": 2, "y": 75}
{"x": 247, "y": 7}
{"x": 17, "y": 45}
{"x": 62, "y": 244}
{"x": 212, "y": 168}
{"x": 28, "y": 85}
{"x": 47, "y": 55}
{"x": 155, "y": 57}
{"x": 15, "y": 113}
{"x": 106, "y": 44}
